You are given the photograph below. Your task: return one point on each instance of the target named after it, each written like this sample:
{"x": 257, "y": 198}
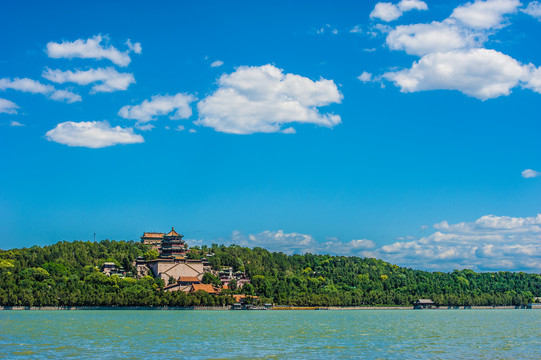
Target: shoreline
{"x": 286, "y": 308}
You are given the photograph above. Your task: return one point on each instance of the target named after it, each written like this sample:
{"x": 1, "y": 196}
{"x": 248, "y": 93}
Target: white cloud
{"x": 64, "y": 95}
{"x": 136, "y": 47}
{"x": 529, "y": 173}
{"x": 533, "y": 80}
{"x": 357, "y": 29}
{"x": 298, "y": 243}
{"x": 453, "y": 56}
{"x": 327, "y": 28}
{"x": 144, "y": 127}
{"x": 480, "y": 73}
{"x": 217, "y": 63}
{"x": 160, "y": 105}
{"x": 533, "y": 9}
{"x": 489, "y": 243}
{"x": 8, "y": 107}
{"x": 407, "y": 5}
{"x": 277, "y": 241}
{"x": 421, "y": 39}
{"x": 487, "y": 14}
{"x": 263, "y": 98}
{"x": 180, "y": 128}
{"x": 192, "y": 131}
{"x": 491, "y": 222}
{"x": 108, "y": 79}
{"x": 16, "y": 124}
{"x": 466, "y": 28}
{"x": 92, "y": 49}
{"x": 92, "y": 134}
{"x": 26, "y": 85}
{"x": 35, "y": 87}
{"x": 365, "y": 77}
{"x": 388, "y": 11}
{"x": 361, "y": 244}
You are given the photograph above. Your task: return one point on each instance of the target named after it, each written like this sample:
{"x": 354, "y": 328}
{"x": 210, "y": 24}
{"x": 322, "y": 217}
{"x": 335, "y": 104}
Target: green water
{"x": 346, "y": 334}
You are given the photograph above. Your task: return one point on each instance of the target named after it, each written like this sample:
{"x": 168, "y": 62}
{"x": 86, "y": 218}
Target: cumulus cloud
{"x": 480, "y": 73}
{"x": 486, "y": 14}
{"x": 489, "y": 243}
{"x": 298, "y": 243}
{"x": 108, "y": 79}
{"x": 160, "y": 105}
{"x": 263, "y": 98}
{"x": 388, "y": 11}
{"x": 361, "y": 244}
{"x": 92, "y": 134}
{"x": 288, "y": 243}
{"x": 217, "y": 63}
{"x": 453, "y": 56}
{"x": 35, "y": 87}
{"x": 466, "y": 28}
{"x": 529, "y": 173}
{"x": 92, "y": 49}
{"x": 533, "y": 9}
{"x": 365, "y": 77}
{"x": 8, "y": 107}
{"x": 422, "y": 39}
{"x": 533, "y": 80}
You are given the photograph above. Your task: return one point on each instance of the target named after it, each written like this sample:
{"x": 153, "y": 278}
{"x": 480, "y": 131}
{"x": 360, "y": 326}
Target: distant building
{"x": 226, "y": 275}
{"x": 174, "y": 268}
{"x": 172, "y": 245}
{"x": 189, "y": 280}
{"x": 424, "y": 304}
{"x": 152, "y": 238}
{"x": 109, "y": 268}
{"x": 205, "y": 287}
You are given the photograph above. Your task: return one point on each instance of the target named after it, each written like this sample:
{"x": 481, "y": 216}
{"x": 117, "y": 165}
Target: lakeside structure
{"x": 424, "y": 304}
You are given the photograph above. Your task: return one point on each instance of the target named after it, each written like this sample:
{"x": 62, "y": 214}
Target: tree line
{"x": 68, "y": 274}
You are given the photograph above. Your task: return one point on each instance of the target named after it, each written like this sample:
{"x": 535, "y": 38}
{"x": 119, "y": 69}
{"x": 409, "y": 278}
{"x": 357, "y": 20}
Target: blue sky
{"x": 403, "y": 130}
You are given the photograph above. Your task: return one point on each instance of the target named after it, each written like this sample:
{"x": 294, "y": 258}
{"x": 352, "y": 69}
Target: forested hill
{"x": 67, "y": 273}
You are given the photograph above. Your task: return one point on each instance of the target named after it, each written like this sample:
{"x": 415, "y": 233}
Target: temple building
{"x": 152, "y": 238}
{"x": 175, "y": 267}
{"x": 172, "y": 245}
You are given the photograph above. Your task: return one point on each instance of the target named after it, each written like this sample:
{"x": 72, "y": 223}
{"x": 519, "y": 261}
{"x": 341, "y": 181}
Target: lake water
{"x": 342, "y": 334}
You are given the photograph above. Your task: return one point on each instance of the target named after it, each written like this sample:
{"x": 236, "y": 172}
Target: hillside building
{"x": 172, "y": 245}
{"x": 152, "y": 238}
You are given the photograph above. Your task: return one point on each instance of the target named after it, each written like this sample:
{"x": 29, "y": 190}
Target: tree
{"x": 151, "y": 254}
{"x": 208, "y": 278}
{"x": 233, "y": 284}
{"x": 248, "y": 289}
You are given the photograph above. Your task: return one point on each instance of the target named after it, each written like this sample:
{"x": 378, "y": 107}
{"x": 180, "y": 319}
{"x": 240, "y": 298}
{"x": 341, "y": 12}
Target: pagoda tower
{"x": 172, "y": 245}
